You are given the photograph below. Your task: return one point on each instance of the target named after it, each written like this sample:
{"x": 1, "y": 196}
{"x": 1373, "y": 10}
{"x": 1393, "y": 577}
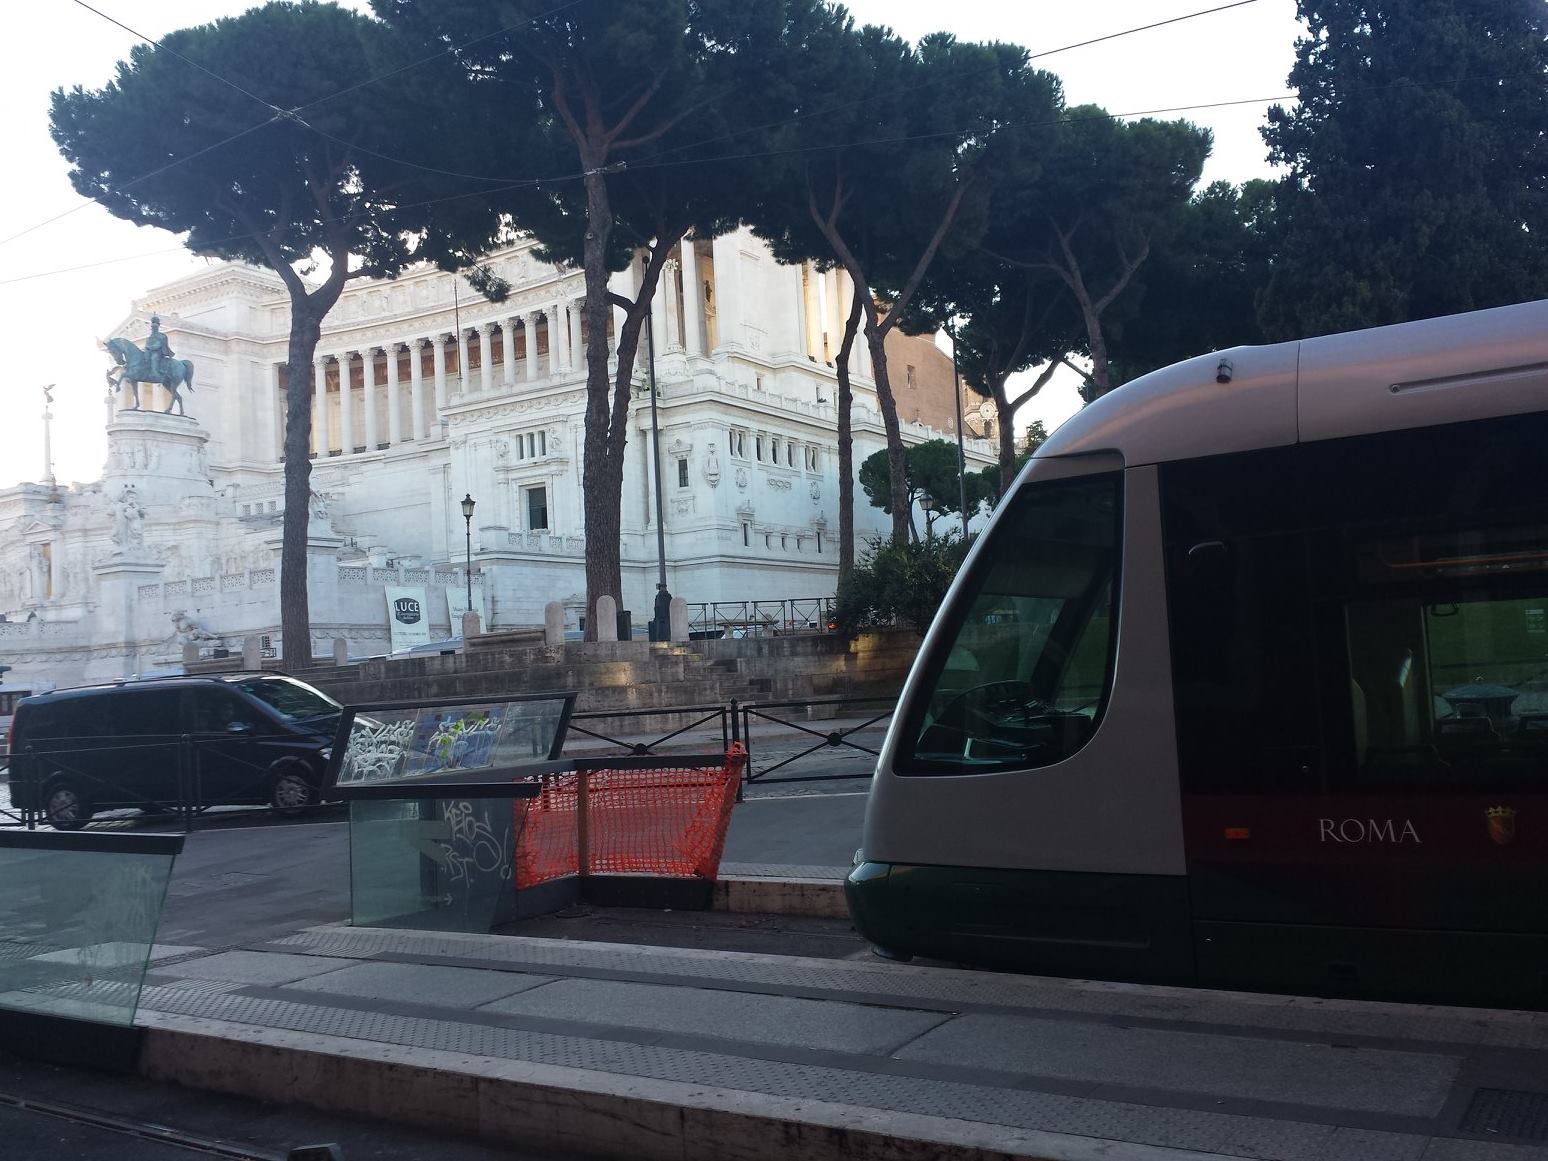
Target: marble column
{"x": 486, "y": 357}
{"x": 368, "y": 397}
{"x": 394, "y": 398}
{"x": 416, "y": 389}
{"x": 276, "y": 409}
{"x": 577, "y": 342}
{"x": 693, "y": 302}
{"x": 319, "y": 409}
{"x": 530, "y": 322}
{"x": 669, "y": 339}
{"x": 508, "y": 351}
{"x": 463, "y": 382}
{"x": 658, "y": 316}
{"x": 440, "y": 379}
{"x": 346, "y": 407}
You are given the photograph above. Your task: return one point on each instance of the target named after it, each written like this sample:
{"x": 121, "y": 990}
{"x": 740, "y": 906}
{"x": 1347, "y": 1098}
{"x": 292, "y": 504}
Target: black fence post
{"x": 29, "y": 770}
{"x": 186, "y": 791}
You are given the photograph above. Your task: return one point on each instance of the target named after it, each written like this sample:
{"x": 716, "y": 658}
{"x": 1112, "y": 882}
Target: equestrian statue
{"x": 154, "y": 364}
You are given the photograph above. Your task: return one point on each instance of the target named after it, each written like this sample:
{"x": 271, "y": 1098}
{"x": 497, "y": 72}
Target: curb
{"x": 548, "y": 1108}
{"x": 809, "y": 898}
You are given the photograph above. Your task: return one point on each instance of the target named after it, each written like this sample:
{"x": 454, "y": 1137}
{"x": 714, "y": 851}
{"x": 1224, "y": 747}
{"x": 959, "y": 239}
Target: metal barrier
{"x": 760, "y": 618}
{"x": 640, "y": 747}
{"x": 779, "y": 713}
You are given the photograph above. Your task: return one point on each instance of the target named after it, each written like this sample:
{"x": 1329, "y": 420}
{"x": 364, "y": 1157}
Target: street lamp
{"x": 660, "y": 624}
{"x": 468, "y": 504}
{"x": 927, "y": 505}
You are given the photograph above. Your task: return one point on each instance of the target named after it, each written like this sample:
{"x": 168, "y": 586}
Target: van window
{"x": 134, "y": 713}
{"x": 215, "y": 710}
{"x": 291, "y": 699}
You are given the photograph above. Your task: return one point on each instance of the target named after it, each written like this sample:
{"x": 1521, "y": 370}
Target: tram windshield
{"x": 1024, "y": 668}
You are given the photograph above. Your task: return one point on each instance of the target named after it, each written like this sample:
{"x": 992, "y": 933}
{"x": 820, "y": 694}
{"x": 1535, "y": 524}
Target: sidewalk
{"x": 622, "y": 1051}
{"x": 695, "y": 1053}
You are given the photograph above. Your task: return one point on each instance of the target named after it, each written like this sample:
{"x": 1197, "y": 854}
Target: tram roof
{"x": 1478, "y": 365}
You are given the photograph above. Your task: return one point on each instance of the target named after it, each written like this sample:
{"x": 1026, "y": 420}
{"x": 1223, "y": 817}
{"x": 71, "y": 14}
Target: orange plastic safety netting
{"x": 662, "y": 820}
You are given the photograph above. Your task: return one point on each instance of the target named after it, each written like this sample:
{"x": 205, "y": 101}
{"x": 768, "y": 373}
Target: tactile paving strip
{"x": 1306, "y": 1017}
{"x": 1226, "y": 1133}
{"x": 1508, "y": 1113}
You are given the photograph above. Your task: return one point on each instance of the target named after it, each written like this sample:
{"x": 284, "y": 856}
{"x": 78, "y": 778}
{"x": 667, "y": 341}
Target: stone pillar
{"x": 440, "y": 377}
{"x": 669, "y": 340}
{"x": 508, "y": 350}
{"x": 346, "y": 407}
{"x": 469, "y": 625}
{"x": 368, "y": 397}
{"x": 530, "y": 322}
{"x": 693, "y": 304}
{"x": 252, "y": 653}
{"x": 319, "y": 409}
{"x": 486, "y": 358}
{"x": 462, "y": 362}
{"x": 558, "y": 345}
{"x": 553, "y": 623}
{"x": 394, "y": 397}
{"x": 577, "y": 344}
{"x": 658, "y": 317}
{"x": 678, "y": 619}
{"x": 417, "y": 429}
{"x": 276, "y": 414}
{"x": 726, "y": 253}
{"x": 607, "y": 619}
{"x": 340, "y": 651}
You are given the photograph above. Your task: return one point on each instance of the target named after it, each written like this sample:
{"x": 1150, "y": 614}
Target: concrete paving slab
{"x": 738, "y": 1016}
{"x": 254, "y": 967}
{"x": 448, "y": 987}
{"x": 1374, "y": 1080}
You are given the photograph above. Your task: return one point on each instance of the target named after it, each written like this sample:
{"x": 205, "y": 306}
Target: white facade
{"x": 447, "y": 395}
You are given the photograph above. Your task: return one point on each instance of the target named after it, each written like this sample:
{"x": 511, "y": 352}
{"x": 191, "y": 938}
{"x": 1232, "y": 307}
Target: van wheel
{"x": 290, "y": 794}
{"x": 64, "y": 807}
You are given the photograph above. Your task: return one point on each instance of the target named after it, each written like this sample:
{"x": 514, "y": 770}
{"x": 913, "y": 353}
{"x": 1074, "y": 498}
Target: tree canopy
{"x": 243, "y": 136}
{"x": 1417, "y": 163}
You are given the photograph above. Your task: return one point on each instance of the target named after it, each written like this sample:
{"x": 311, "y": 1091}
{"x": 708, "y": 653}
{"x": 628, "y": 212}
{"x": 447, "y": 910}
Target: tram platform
{"x": 621, "y": 1050}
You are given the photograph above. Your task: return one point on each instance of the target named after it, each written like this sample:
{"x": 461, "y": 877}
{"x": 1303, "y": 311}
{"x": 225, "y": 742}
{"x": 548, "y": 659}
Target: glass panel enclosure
{"x": 401, "y": 744}
{"x": 79, "y": 921}
{"x": 1025, "y": 669}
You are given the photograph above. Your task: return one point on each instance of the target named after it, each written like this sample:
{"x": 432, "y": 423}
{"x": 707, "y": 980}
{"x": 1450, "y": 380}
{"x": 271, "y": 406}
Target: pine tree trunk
{"x": 295, "y": 610}
{"x": 846, "y": 445}
{"x": 897, "y": 466}
{"x": 601, "y": 479}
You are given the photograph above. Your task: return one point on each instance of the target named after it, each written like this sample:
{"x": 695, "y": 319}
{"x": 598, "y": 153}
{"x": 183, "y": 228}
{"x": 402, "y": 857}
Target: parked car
{"x": 252, "y": 738}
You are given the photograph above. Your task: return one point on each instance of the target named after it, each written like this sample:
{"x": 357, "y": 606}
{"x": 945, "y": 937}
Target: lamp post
{"x": 660, "y": 625}
{"x": 927, "y": 505}
{"x": 468, "y": 504}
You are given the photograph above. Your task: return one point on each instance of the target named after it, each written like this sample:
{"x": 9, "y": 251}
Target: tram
{"x": 1246, "y": 685}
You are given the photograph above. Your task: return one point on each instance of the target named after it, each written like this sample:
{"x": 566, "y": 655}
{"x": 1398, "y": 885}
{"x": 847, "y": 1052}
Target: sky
{"x": 70, "y": 271}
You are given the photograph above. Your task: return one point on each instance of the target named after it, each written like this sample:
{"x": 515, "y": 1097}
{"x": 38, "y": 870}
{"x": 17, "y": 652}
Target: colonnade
{"x": 363, "y": 401}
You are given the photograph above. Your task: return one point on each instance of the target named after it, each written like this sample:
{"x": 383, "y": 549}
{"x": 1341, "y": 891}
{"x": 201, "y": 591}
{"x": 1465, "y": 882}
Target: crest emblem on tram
{"x": 1502, "y": 824}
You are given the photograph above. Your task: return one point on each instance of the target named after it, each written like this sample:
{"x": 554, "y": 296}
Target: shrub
{"x": 899, "y": 584}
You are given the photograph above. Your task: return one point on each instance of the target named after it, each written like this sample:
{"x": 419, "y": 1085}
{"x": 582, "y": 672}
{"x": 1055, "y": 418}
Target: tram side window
{"x": 1026, "y": 666}
{"x": 1448, "y": 663}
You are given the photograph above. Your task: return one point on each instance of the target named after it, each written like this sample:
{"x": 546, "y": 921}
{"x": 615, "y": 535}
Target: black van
{"x": 252, "y": 738}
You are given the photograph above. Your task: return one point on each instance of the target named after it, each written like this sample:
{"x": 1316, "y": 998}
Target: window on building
{"x": 758, "y": 448}
{"x": 537, "y": 509}
{"x": 909, "y": 376}
{"x": 819, "y": 541}
{"x": 682, "y": 471}
{"x": 542, "y": 443}
{"x": 531, "y": 445}
{"x": 790, "y": 455}
{"x": 774, "y": 450}
{"x": 737, "y": 443}
{"x": 746, "y": 536}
